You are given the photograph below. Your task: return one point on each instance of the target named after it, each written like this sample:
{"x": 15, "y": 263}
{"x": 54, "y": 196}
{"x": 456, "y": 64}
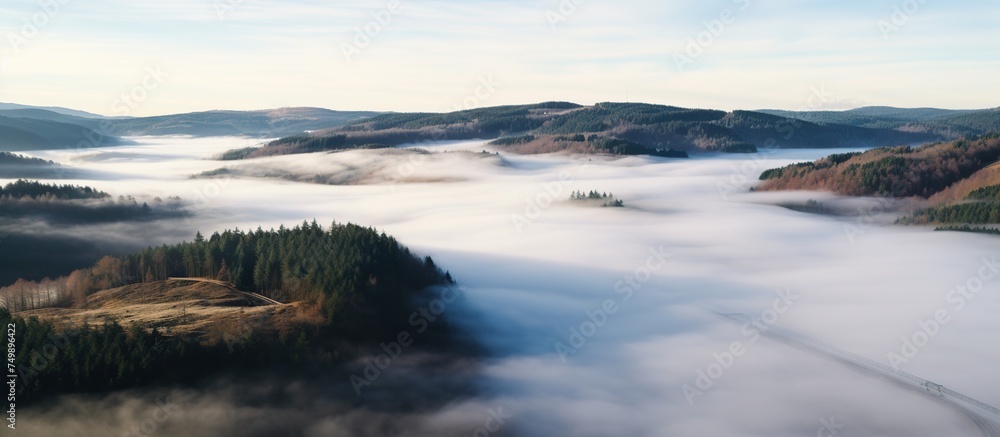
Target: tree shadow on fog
{"x": 48, "y": 240}
{"x": 410, "y": 390}
{"x": 33, "y": 257}
{"x": 524, "y": 306}
{"x": 54, "y": 173}
{"x": 412, "y": 399}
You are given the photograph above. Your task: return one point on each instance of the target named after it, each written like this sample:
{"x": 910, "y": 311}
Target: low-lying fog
{"x": 537, "y": 270}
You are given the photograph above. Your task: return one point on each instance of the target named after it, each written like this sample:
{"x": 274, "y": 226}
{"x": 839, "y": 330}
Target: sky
{"x": 137, "y": 58}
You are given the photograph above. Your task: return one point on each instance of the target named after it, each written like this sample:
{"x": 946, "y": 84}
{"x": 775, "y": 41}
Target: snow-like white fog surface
{"x": 365, "y": 167}
{"x": 691, "y": 240}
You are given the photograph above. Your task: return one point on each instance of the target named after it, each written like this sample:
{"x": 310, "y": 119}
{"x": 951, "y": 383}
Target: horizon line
{"x": 49, "y": 107}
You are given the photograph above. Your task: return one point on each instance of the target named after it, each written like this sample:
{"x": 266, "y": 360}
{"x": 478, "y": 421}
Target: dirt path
{"x": 228, "y": 285}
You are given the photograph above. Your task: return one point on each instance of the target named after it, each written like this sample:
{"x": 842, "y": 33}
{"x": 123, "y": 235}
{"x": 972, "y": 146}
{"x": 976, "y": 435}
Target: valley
{"x": 555, "y": 252}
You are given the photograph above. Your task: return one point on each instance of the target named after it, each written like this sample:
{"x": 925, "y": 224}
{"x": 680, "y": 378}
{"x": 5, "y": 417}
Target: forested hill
{"x": 559, "y": 126}
{"x": 341, "y": 290}
{"x": 948, "y": 123}
{"x": 892, "y": 171}
{"x": 24, "y": 189}
{"x": 20, "y": 134}
{"x": 50, "y": 230}
{"x": 959, "y": 179}
{"x": 264, "y": 123}
{"x": 344, "y": 270}
{"x": 19, "y": 166}
{"x": 71, "y": 204}
{"x": 32, "y": 128}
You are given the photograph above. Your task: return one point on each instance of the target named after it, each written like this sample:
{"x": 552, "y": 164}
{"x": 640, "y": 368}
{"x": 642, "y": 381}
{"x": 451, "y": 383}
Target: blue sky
{"x": 434, "y": 55}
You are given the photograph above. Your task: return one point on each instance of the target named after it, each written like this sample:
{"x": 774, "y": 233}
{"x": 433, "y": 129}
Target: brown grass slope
{"x": 960, "y": 190}
{"x": 951, "y": 168}
{"x": 204, "y": 310}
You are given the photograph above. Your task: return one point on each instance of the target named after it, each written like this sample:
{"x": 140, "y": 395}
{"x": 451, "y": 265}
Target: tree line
{"x": 14, "y": 158}
{"x": 108, "y": 356}
{"x": 344, "y": 269}
{"x": 981, "y": 206}
{"x": 607, "y": 200}
{"x": 25, "y": 189}
{"x": 73, "y": 204}
{"x": 366, "y": 284}
{"x": 981, "y": 212}
{"x": 971, "y": 229}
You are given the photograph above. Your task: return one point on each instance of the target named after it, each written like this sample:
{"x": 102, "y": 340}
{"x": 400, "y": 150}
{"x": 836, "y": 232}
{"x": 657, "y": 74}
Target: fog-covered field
{"x": 602, "y": 321}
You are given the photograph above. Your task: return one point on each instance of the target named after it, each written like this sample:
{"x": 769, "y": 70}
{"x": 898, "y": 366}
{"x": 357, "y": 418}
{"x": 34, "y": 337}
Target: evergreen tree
{"x": 223, "y": 274}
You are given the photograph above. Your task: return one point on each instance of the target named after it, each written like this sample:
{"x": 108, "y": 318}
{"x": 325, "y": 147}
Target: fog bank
{"x": 599, "y": 318}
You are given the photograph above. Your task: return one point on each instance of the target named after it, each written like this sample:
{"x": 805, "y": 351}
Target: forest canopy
{"x": 621, "y": 128}
{"x": 364, "y": 283}
{"x": 936, "y": 172}
{"x": 74, "y": 204}
{"x": 33, "y": 189}
{"x": 345, "y": 269}
{"x": 900, "y": 171}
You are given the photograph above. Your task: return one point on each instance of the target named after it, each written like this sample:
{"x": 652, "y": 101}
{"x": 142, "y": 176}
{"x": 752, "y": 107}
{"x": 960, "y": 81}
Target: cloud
{"x": 431, "y": 54}
{"x": 860, "y": 286}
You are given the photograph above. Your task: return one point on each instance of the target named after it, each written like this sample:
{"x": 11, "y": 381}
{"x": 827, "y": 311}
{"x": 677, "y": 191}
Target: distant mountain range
{"x": 22, "y": 133}
{"x": 947, "y": 123}
{"x": 34, "y": 128}
{"x": 658, "y": 129}
{"x": 536, "y": 128}
{"x": 56, "y": 109}
{"x": 266, "y": 124}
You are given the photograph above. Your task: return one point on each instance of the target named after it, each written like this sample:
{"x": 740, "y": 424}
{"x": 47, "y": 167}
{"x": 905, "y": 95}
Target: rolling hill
{"x": 31, "y": 128}
{"x": 563, "y": 126}
{"x": 299, "y": 299}
{"x": 55, "y": 109}
{"x": 45, "y": 114}
{"x": 21, "y": 134}
{"x": 266, "y": 123}
{"x": 952, "y": 183}
{"x": 199, "y": 309}
{"x": 552, "y": 126}
{"x": 14, "y": 166}
{"x": 946, "y": 123}
{"x": 891, "y": 171}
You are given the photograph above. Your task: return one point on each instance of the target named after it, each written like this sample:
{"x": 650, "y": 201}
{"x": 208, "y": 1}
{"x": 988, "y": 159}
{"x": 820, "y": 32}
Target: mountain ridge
{"x": 565, "y": 126}
{"x": 636, "y": 127}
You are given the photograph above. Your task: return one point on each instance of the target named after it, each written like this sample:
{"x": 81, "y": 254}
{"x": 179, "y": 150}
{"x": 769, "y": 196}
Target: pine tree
{"x": 223, "y": 274}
